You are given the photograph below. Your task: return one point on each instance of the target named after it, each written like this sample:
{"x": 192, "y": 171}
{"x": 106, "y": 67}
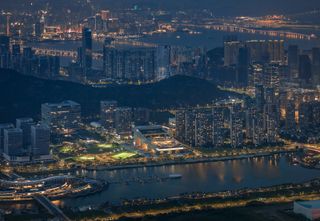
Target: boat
{"x": 175, "y": 176}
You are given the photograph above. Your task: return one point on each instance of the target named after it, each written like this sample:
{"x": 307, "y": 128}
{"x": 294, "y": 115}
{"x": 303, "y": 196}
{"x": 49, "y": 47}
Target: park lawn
{"x": 124, "y": 155}
{"x": 67, "y": 149}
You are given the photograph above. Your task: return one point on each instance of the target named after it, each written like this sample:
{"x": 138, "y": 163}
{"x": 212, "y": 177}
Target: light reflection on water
{"x": 201, "y": 177}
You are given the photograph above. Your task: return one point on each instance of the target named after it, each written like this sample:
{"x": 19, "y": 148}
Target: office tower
{"x": 309, "y": 117}
{"x": 39, "y": 29}
{"x": 290, "y": 119}
{"x": 316, "y": 66}
{"x": 293, "y": 60}
{"x": 86, "y": 50}
{"x": 25, "y": 125}
{"x": 40, "y": 140}
{"x": 4, "y": 51}
{"x": 305, "y": 68}
{"x": 163, "y": 69}
{"x": 2, "y": 128}
{"x": 243, "y": 66}
{"x": 275, "y": 50}
{"x": 259, "y": 97}
{"x": 231, "y": 52}
{"x": 180, "y": 125}
{"x": 203, "y": 129}
{"x": 16, "y": 57}
{"x": 61, "y": 117}
{"x": 141, "y": 116}
{"x": 107, "y": 114}
{"x": 218, "y": 137}
{"x": 27, "y": 58}
{"x": 13, "y": 143}
{"x": 256, "y": 75}
{"x": 271, "y": 115}
{"x": 236, "y": 125}
{"x": 98, "y": 23}
{"x": 190, "y": 126}
{"x": 123, "y": 120}
{"x": 271, "y": 76}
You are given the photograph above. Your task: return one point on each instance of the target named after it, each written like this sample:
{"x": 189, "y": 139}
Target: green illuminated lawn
{"x": 67, "y": 149}
{"x": 123, "y": 155}
{"x": 100, "y": 148}
{"x": 105, "y": 146}
{"x": 85, "y": 158}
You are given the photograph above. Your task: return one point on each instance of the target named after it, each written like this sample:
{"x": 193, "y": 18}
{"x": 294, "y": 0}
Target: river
{"x": 200, "y": 177}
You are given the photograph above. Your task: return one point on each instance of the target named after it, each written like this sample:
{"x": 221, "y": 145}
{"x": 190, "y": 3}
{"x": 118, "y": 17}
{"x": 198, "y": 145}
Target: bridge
{"x": 52, "y": 209}
{"x": 63, "y": 53}
{"x": 273, "y": 33}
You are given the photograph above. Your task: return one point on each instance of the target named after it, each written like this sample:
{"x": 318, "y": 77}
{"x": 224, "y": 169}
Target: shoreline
{"x": 189, "y": 161}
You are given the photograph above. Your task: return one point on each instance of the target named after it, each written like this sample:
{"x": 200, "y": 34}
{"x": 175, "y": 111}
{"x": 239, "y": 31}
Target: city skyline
{"x": 158, "y": 110}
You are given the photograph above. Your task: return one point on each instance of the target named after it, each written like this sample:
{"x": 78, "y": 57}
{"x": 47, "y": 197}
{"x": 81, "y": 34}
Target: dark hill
{"x": 22, "y": 95}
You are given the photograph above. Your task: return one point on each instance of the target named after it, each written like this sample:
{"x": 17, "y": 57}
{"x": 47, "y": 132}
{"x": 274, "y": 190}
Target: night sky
{"x": 220, "y": 7}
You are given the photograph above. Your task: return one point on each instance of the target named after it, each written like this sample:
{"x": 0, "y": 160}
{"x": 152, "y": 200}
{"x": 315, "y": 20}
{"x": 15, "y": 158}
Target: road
{"x": 53, "y": 209}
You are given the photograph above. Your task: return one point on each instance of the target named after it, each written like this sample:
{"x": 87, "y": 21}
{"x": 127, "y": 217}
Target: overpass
{"x": 52, "y": 209}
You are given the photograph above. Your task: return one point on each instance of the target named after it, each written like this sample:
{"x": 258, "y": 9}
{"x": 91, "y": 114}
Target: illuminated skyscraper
{"x": 107, "y": 114}
{"x": 40, "y": 141}
{"x": 123, "y": 120}
{"x": 86, "y": 50}
{"x": 218, "y": 137}
{"x": 61, "y": 117}
{"x": 236, "y": 125}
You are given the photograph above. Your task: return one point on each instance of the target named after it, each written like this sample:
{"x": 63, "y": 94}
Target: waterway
{"x": 200, "y": 177}
{"x": 208, "y": 39}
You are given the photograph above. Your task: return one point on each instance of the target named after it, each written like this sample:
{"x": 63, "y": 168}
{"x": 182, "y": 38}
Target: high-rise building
{"x": 25, "y": 125}
{"x": 163, "y": 67}
{"x": 236, "y": 125}
{"x": 123, "y": 120}
{"x": 309, "y": 117}
{"x": 243, "y": 66}
{"x": 271, "y": 76}
{"x": 231, "y": 52}
{"x": 86, "y": 50}
{"x": 107, "y": 114}
{"x": 40, "y": 141}
{"x": 290, "y": 119}
{"x": 203, "y": 129}
{"x": 39, "y": 29}
{"x": 190, "y": 126}
{"x": 61, "y": 117}
{"x": 316, "y": 66}
{"x": 305, "y": 73}
{"x": 4, "y": 51}
{"x": 2, "y": 128}
{"x": 141, "y": 116}
{"x": 13, "y": 145}
{"x": 293, "y": 60}
{"x": 271, "y": 115}
{"x": 218, "y": 137}
{"x": 180, "y": 125}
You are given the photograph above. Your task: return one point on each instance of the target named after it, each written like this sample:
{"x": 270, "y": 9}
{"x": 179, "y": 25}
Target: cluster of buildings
{"x": 115, "y": 118}
{"x": 27, "y": 141}
{"x": 218, "y": 126}
{"x": 267, "y": 60}
{"x": 257, "y": 121}
{"x": 24, "y": 60}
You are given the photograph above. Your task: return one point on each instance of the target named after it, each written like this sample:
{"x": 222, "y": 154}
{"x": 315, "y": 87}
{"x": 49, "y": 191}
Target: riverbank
{"x": 185, "y": 161}
{"x": 191, "y": 202}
